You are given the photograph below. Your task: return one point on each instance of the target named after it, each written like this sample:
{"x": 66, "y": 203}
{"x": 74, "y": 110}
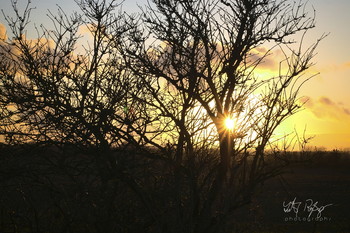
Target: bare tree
{"x": 52, "y": 91}
{"x": 207, "y": 54}
{"x": 165, "y": 82}
{"x": 70, "y": 90}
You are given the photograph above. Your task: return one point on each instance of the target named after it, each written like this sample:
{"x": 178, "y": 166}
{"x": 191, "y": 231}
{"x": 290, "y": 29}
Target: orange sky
{"x": 327, "y": 113}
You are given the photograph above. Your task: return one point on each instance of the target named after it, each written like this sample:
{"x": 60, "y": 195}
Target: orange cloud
{"x": 326, "y": 101}
{"x": 324, "y": 107}
{"x": 335, "y": 67}
{"x": 3, "y": 34}
{"x": 4, "y": 48}
{"x": 11, "y": 45}
{"x": 85, "y": 29}
{"x": 270, "y": 61}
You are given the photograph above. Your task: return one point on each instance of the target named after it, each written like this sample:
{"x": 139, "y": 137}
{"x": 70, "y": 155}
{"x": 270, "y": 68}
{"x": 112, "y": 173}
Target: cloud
{"x": 270, "y": 61}
{"x": 326, "y": 101}
{"x": 11, "y": 46}
{"x": 85, "y": 29}
{"x": 335, "y": 67}
{"x": 324, "y": 107}
{"x": 3, "y": 34}
{"x": 4, "y": 48}
{"x": 307, "y": 101}
{"x": 346, "y": 111}
{"x": 11, "y": 49}
{"x": 346, "y": 65}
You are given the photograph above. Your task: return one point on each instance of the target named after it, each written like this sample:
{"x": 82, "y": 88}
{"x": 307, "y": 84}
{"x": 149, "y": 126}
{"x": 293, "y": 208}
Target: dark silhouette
{"x": 129, "y": 134}
{"x": 208, "y": 61}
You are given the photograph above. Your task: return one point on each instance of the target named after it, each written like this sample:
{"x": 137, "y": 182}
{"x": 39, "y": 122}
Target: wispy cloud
{"x": 335, "y": 67}
{"x": 324, "y": 107}
{"x": 347, "y": 65}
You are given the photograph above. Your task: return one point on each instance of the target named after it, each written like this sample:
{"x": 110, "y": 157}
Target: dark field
{"x": 47, "y": 193}
{"x": 324, "y": 177}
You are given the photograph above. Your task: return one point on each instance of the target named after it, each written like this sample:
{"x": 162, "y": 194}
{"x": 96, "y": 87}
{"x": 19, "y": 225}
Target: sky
{"x": 326, "y": 115}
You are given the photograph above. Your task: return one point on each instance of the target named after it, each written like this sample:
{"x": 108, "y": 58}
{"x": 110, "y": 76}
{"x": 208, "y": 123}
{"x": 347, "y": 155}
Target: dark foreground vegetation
{"x": 61, "y": 190}
{"x": 322, "y": 176}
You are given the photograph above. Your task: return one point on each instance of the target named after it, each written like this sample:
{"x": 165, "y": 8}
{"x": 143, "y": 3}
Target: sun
{"x": 229, "y": 123}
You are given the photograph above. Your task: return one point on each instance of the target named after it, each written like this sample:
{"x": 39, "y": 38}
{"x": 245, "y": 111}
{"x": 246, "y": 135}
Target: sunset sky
{"x": 327, "y": 113}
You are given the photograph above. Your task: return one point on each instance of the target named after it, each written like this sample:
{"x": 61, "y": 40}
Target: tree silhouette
{"x": 148, "y": 95}
{"x": 208, "y": 54}
{"x": 59, "y": 90}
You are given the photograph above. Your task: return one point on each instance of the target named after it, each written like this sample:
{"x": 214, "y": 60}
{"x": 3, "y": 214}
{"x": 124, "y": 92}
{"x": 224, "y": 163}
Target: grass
{"x": 29, "y": 200}
{"x": 322, "y": 176}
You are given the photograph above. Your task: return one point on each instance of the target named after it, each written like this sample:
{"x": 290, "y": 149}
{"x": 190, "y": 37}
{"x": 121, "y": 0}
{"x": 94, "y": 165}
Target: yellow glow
{"x": 229, "y": 123}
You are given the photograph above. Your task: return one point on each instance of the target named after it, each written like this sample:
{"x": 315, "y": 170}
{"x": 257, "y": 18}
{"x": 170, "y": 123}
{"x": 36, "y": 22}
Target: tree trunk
{"x": 225, "y": 154}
